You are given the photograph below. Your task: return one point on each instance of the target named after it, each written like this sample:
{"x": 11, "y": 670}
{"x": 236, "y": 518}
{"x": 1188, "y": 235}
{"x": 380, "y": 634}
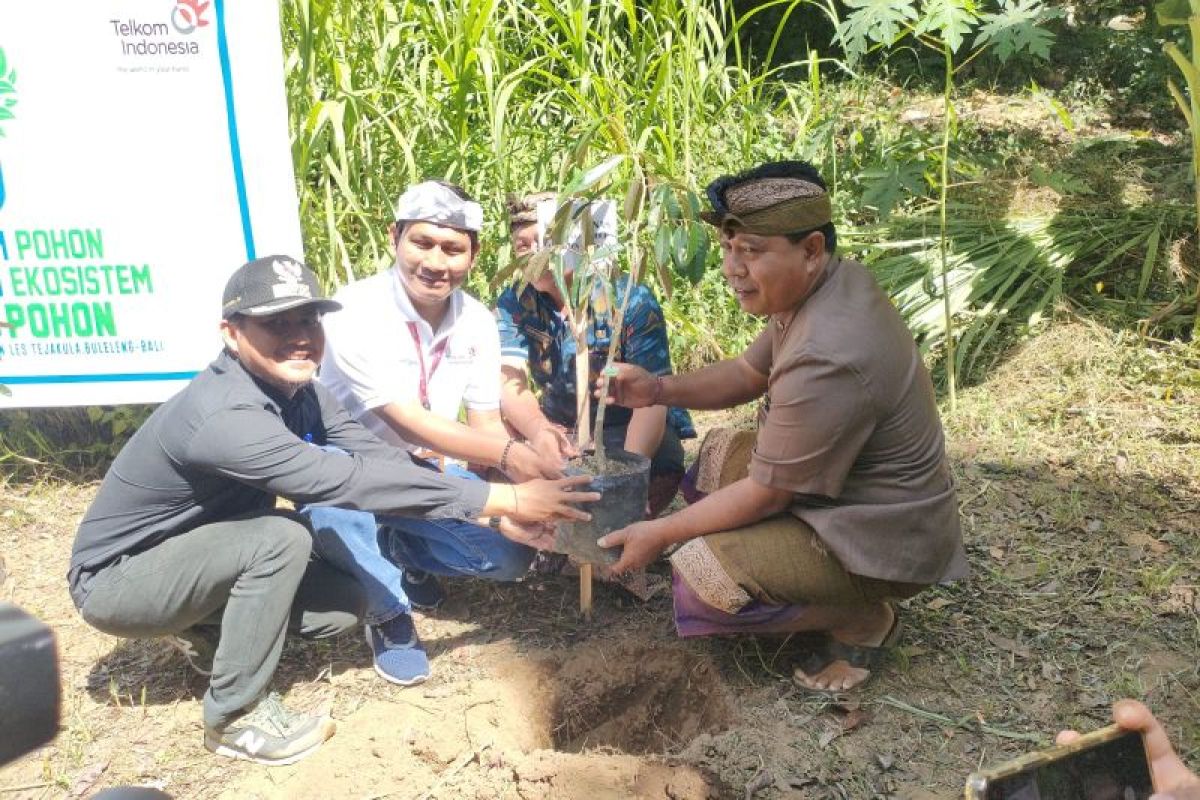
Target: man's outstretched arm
{"x": 722, "y": 385}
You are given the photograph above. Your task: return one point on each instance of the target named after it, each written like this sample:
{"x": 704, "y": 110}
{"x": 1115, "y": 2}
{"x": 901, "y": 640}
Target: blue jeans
{"x": 453, "y": 547}
{"x": 349, "y": 540}
{"x": 376, "y": 549}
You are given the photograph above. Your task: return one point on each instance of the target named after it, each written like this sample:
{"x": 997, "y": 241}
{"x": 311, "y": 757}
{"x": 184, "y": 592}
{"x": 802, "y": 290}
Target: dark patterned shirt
{"x": 533, "y": 331}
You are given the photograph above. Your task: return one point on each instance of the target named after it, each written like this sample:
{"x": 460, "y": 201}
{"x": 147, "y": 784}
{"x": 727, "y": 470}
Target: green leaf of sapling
{"x": 597, "y": 173}
{"x": 698, "y": 245}
{"x": 662, "y": 245}
{"x": 679, "y": 249}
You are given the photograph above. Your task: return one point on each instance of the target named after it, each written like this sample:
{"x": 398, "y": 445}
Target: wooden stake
{"x": 585, "y": 591}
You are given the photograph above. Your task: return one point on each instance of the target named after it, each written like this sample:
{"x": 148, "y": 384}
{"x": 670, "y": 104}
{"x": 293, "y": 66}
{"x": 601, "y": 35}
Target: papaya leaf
{"x": 888, "y": 184}
{"x": 1016, "y": 28}
{"x": 951, "y": 20}
{"x": 1061, "y": 182}
{"x": 876, "y": 21}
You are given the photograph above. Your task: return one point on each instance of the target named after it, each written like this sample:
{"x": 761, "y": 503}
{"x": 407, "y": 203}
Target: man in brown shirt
{"x": 842, "y": 500}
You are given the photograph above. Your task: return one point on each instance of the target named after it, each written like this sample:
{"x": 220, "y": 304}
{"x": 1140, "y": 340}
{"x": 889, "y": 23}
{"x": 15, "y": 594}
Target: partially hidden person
{"x": 537, "y": 352}
{"x": 841, "y": 502}
{"x": 184, "y": 539}
{"x": 410, "y": 351}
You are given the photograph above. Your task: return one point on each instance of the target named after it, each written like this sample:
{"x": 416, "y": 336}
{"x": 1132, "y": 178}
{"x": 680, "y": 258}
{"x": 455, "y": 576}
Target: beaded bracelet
{"x": 504, "y": 455}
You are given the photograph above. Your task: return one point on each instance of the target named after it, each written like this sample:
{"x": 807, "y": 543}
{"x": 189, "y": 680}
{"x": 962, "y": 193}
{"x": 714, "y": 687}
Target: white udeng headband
{"x": 432, "y": 202}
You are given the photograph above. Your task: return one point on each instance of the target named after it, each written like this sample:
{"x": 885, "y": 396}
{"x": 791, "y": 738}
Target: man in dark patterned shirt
{"x": 535, "y": 341}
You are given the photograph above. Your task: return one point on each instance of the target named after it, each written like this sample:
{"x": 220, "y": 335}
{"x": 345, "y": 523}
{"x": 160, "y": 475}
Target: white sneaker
{"x": 270, "y": 734}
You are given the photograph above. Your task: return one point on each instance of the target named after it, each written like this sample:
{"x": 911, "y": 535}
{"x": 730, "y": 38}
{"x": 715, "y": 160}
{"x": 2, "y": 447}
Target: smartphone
{"x": 1108, "y": 764}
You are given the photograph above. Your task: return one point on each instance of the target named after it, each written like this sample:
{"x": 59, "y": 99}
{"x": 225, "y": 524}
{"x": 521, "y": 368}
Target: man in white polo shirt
{"x": 411, "y": 350}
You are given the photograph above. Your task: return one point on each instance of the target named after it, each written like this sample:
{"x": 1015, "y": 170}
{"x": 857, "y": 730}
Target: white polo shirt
{"x": 371, "y": 359}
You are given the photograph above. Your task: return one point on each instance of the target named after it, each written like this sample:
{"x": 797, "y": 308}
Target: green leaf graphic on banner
{"x": 8, "y": 90}
{"x": 8, "y": 81}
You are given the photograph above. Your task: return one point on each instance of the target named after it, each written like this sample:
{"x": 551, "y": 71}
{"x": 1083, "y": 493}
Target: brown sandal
{"x": 856, "y": 655}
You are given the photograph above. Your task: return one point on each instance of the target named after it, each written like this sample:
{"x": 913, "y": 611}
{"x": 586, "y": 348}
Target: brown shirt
{"x": 850, "y": 425}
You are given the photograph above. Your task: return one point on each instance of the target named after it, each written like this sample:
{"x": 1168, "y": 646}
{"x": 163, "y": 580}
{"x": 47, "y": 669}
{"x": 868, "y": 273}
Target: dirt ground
{"x": 1079, "y": 470}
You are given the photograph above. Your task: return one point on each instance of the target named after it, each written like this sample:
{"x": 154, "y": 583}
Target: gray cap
{"x": 434, "y": 202}
{"x": 272, "y": 284}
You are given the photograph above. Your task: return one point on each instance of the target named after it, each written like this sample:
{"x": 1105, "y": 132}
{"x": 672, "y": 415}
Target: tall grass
{"x": 503, "y": 95}
{"x": 494, "y": 95}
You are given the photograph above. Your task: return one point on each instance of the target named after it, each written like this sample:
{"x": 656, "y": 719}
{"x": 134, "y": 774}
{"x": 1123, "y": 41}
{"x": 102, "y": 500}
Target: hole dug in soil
{"x": 635, "y": 699}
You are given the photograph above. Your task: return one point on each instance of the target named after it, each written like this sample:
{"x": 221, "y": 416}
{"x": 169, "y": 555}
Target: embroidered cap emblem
{"x": 291, "y": 279}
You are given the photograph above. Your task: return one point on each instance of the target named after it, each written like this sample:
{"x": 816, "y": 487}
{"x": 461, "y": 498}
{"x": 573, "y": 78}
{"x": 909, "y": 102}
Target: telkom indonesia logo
{"x": 189, "y": 15}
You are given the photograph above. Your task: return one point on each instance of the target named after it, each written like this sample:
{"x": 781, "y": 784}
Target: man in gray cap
{"x": 183, "y": 539}
{"x": 842, "y": 501}
{"x": 412, "y": 350}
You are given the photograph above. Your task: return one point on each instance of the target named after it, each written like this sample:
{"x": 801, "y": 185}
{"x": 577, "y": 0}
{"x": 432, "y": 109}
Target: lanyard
{"x": 435, "y": 358}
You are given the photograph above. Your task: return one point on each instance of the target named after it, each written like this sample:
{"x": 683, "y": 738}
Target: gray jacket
{"x": 227, "y": 445}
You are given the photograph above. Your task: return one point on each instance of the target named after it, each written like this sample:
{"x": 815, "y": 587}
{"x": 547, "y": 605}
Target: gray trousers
{"x": 253, "y": 576}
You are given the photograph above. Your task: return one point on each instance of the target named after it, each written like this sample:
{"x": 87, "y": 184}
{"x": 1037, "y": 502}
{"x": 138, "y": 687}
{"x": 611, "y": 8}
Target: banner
{"x": 144, "y": 156}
